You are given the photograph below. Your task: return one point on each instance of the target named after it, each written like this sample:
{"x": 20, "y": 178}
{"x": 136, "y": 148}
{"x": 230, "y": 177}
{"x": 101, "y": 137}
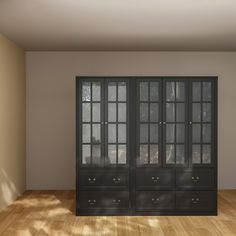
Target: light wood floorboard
{"x": 52, "y": 213}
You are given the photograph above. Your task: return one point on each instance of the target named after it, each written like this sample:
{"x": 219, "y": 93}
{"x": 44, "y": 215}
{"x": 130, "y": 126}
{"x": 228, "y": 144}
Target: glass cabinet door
{"x": 91, "y": 130}
{"x": 116, "y": 122}
{"x": 201, "y": 123}
{"x": 148, "y": 122}
{"x": 174, "y": 123}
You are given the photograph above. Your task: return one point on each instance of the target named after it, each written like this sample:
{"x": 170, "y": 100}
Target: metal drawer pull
{"x": 116, "y": 180}
{"x": 92, "y": 202}
{"x": 195, "y": 179}
{"x": 195, "y": 200}
{"x": 116, "y": 201}
{"x": 155, "y": 200}
{"x": 92, "y": 180}
{"x": 155, "y": 179}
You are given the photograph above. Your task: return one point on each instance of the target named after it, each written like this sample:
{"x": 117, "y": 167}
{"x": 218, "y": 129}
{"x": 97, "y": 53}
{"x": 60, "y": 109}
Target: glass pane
{"x": 170, "y": 154}
{"x": 121, "y": 112}
{"x": 154, "y": 112}
{"x": 86, "y": 133}
{"x": 180, "y": 133}
{"x": 206, "y": 133}
{"x": 111, "y": 133}
{"x": 154, "y": 91}
{"x": 180, "y": 154}
{"x": 196, "y": 154}
{"x": 206, "y": 154}
{"x": 122, "y": 133}
{"x": 112, "y": 91}
{"x": 170, "y": 133}
{"x": 143, "y": 154}
{"x": 86, "y": 154}
{"x": 196, "y": 133}
{"x": 96, "y": 112}
{"x": 121, "y": 91}
{"x": 96, "y": 154}
{"x": 170, "y": 112}
{"x": 196, "y": 96}
{"x": 196, "y": 112}
{"x": 206, "y": 112}
{"x": 96, "y": 138}
{"x": 96, "y": 91}
{"x": 154, "y": 154}
{"x": 112, "y": 154}
{"x": 86, "y": 93}
{"x": 111, "y": 112}
{"x": 206, "y": 87}
{"x": 144, "y": 112}
{"x": 180, "y": 91}
{"x": 154, "y": 133}
{"x": 121, "y": 154}
{"x": 143, "y": 133}
{"x": 180, "y": 112}
{"x": 143, "y": 91}
{"x": 170, "y": 91}
{"x": 86, "y": 112}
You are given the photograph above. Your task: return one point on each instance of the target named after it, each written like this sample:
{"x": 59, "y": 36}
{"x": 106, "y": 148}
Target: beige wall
{"x": 12, "y": 121}
{"x": 51, "y": 104}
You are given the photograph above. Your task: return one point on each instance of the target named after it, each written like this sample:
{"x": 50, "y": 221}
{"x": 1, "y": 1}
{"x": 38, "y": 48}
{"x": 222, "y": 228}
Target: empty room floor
{"x": 52, "y": 213}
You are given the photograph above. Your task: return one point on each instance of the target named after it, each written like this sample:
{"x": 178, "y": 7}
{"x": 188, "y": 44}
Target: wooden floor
{"x": 52, "y": 213}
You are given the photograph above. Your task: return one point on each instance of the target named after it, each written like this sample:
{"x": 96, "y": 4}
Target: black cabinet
{"x": 146, "y": 145}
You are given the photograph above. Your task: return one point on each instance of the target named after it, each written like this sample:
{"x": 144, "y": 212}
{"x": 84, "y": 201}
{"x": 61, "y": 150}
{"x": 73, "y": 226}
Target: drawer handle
{"x": 195, "y": 178}
{"x": 155, "y": 200}
{"x": 92, "y": 180}
{"x": 116, "y": 201}
{"x": 92, "y": 202}
{"x": 116, "y": 180}
{"x": 195, "y": 200}
{"x": 155, "y": 179}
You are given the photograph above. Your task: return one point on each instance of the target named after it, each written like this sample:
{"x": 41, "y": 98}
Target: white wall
{"x": 51, "y": 104}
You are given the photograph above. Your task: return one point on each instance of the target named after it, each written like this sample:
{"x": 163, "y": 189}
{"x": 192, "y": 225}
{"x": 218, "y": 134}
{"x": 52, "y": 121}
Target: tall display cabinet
{"x": 146, "y": 145}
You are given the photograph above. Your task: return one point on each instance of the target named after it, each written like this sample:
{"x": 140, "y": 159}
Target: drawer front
{"x": 196, "y": 200}
{"x": 96, "y": 179}
{"x": 103, "y": 199}
{"x": 195, "y": 179}
{"x": 159, "y": 179}
{"x": 155, "y": 200}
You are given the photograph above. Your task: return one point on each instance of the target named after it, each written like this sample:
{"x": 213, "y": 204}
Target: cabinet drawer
{"x": 103, "y": 199}
{"x": 195, "y": 179}
{"x": 155, "y": 200}
{"x": 158, "y": 179}
{"x": 196, "y": 200}
{"x": 96, "y": 179}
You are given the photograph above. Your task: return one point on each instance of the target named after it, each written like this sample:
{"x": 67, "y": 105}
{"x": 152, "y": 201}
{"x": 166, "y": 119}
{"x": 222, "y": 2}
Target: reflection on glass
{"x": 111, "y": 112}
{"x": 96, "y": 138}
{"x": 206, "y": 112}
{"x": 96, "y": 112}
{"x": 154, "y": 112}
{"x": 180, "y": 91}
{"x": 206, "y": 95}
{"x": 180, "y": 154}
{"x": 143, "y": 154}
{"x": 111, "y": 133}
{"x": 86, "y": 154}
{"x": 170, "y": 154}
{"x": 180, "y": 112}
{"x": 96, "y": 91}
{"x": 153, "y": 154}
{"x": 196, "y": 93}
{"x": 170, "y": 91}
{"x": 196, "y": 112}
{"x": 170, "y": 112}
{"x": 196, "y": 133}
{"x": 143, "y": 133}
{"x": 96, "y": 154}
{"x": 180, "y": 133}
{"x": 154, "y": 91}
{"x": 196, "y": 154}
{"x": 122, "y": 133}
{"x": 112, "y": 154}
{"x": 170, "y": 133}
{"x": 111, "y": 91}
{"x": 121, "y": 154}
{"x": 206, "y": 133}
{"x": 121, "y": 91}
{"x": 86, "y": 133}
{"x": 143, "y": 91}
{"x": 86, "y": 112}
{"x": 121, "y": 112}
{"x": 154, "y": 133}
{"x": 86, "y": 93}
{"x": 206, "y": 154}
{"x": 144, "y": 112}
